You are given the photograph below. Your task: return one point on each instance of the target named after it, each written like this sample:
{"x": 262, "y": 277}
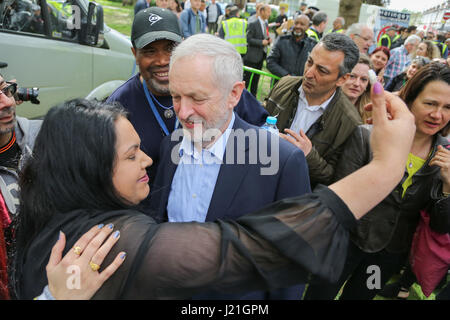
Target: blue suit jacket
{"x": 240, "y": 189}
{"x": 187, "y": 21}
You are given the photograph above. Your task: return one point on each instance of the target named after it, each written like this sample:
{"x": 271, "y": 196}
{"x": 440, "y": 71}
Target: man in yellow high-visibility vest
{"x": 234, "y": 30}
{"x": 338, "y": 25}
{"x": 440, "y": 43}
{"x": 319, "y": 23}
{"x": 387, "y": 38}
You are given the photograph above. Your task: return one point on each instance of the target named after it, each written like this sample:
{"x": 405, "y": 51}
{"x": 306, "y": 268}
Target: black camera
{"x": 28, "y": 94}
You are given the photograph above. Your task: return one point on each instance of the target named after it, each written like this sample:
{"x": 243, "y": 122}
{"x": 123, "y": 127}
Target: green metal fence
{"x": 266, "y": 82}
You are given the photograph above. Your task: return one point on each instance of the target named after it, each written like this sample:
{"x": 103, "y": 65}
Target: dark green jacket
{"x": 328, "y": 134}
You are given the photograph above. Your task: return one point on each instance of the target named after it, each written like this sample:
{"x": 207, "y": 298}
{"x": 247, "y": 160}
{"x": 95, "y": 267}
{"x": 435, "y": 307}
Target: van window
{"x": 26, "y": 16}
{"x": 21, "y": 15}
{"x": 63, "y": 22}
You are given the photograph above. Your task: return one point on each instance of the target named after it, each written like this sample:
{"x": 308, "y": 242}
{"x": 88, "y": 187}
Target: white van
{"x": 63, "y": 48}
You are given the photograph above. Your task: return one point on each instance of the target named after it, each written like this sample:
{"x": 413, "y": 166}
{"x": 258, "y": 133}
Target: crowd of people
{"x": 156, "y": 194}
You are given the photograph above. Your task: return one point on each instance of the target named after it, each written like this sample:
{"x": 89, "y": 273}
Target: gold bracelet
{"x": 446, "y": 194}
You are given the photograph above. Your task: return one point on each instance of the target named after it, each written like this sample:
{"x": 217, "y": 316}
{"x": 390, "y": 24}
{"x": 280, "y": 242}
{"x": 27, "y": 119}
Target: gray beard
{"x": 8, "y": 130}
{"x": 297, "y": 34}
{"x": 155, "y": 87}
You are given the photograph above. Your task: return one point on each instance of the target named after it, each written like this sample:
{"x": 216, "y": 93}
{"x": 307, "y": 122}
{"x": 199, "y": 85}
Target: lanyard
{"x": 155, "y": 112}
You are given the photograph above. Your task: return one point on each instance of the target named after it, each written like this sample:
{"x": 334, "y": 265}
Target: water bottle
{"x": 271, "y": 125}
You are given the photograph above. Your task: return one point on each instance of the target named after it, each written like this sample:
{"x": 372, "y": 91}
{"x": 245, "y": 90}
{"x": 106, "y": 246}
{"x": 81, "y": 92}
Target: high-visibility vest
{"x": 396, "y": 38}
{"x": 313, "y": 34}
{"x": 385, "y": 36}
{"x": 441, "y": 45}
{"x": 339, "y": 31}
{"x": 235, "y": 30}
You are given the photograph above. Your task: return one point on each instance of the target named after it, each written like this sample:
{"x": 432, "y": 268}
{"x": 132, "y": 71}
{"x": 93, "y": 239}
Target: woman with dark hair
{"x": 380, "y": 57}
{"x": 87, "y": 169}
{"x": 383, "y": 237}
{"x": 400, "y": 80}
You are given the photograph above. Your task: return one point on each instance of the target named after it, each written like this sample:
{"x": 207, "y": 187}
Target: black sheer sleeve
{"x": 280, "y": 245}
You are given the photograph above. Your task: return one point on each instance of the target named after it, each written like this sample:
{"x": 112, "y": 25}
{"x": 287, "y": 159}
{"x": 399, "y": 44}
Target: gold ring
{"x": 94, "y": 266}
{"x": 77, "y": 250}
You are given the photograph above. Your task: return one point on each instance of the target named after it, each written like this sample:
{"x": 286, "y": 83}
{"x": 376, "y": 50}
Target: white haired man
{"x": 401, "y": 58}
{"x": 213, "y": 175}
{"x": 362, "y": 35}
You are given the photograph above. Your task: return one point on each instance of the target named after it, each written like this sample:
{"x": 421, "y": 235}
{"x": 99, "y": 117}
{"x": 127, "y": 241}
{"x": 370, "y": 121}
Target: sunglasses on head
{"x": 10, "y": 89}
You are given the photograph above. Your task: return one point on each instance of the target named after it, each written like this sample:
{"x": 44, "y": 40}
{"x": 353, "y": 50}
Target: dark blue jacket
{"x": 289, "y": 56}
{"x": 241, "y": 189}
{"x": 187, "y": 21}
{"x": 140, "y": 5}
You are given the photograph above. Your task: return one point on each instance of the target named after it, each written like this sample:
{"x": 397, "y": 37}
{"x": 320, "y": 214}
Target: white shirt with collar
{"x": 195, "y": 178}
{"x": 306, "y": 115}
{"x": 264, "y": 30}
{"x": 263, "y": 26}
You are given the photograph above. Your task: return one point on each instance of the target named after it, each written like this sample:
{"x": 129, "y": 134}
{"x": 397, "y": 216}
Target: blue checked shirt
{"x": 397, "y": 63}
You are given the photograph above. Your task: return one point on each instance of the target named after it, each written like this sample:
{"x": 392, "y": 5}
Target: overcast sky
{"x": 414, "y": 5}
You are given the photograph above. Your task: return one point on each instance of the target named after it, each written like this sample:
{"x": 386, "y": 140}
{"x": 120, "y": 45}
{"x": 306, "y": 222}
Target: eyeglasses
{"x": 369, "y": 40}
{"x": 10, "y": 89}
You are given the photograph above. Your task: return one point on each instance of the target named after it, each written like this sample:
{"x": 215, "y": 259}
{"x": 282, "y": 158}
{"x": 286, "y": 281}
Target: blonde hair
{"x": 432, "y": 50}
{"x": 365, "y": 97}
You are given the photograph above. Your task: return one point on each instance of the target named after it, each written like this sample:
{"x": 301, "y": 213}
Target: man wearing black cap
{"x": 155, "y": 33}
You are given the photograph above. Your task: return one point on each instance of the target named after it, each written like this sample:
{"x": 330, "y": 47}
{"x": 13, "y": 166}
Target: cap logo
{"x": 153, "y": 18}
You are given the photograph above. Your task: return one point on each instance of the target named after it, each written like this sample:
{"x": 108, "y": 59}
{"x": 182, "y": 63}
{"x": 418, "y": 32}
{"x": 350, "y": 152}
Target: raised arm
{"x": 277, "y": 246}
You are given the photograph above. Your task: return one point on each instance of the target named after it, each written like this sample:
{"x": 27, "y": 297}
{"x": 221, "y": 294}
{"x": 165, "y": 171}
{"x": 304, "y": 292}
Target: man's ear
{"x": 235, "y": 94}
{"x": 342, "y": 80}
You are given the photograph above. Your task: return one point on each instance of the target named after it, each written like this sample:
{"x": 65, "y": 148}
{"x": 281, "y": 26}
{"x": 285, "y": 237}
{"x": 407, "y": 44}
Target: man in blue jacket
{"x": 219, "y": 166}
{"x": 141, "y": 5}
{"x": 192, "y": 20}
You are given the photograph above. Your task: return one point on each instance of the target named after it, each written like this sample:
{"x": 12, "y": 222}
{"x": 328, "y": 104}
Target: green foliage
{"x": 117, "y": 16}
{"x": 273, "y": 15}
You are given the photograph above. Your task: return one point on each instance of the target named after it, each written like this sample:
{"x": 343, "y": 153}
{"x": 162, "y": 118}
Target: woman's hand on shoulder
{"x": 75, "y": 276}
